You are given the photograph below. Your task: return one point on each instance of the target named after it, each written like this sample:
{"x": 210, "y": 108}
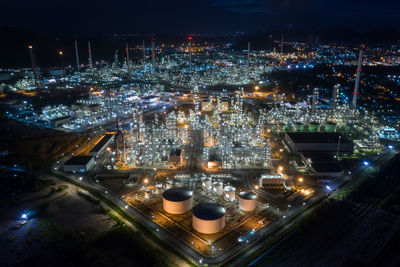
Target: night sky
{"x": 219, "y": 16}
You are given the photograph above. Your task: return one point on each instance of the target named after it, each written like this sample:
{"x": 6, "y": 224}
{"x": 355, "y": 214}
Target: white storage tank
{"x": 147, "y": 193}
{"x": 178, "y": 184}
{"x": 177, "y": 200}
{"x": 168, "y": 184}
{"x": 218, "y": 188}
{"x": 159, "y": 188}
{"x": 229, "y": 193}
{"x": 247, "y": 201}
{"x": 208, "y": 218}
{"x": 206, "y": 183}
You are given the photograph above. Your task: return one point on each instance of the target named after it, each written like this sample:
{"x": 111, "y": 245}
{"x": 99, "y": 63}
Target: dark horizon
{"x": 221, "y": 16}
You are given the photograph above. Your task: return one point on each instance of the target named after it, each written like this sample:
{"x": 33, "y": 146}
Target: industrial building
{"x": 177, "y": 200}
{"x": 322, "y": 164}
{"x": 318, "y": 142}
{"x": 101, "y": 145}
{"x": 208, "y": 218}
{"x": 79, "y": 164}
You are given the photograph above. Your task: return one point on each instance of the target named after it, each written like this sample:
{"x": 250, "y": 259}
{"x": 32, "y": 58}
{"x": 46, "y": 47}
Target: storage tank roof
{"x": 247, "y": 195}
{"x": 208, "y": 211}
{"x": 177, "y": 194}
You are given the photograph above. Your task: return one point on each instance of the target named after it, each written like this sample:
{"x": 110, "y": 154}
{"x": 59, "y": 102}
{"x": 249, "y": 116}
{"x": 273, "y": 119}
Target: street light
{"x": 366, "y": 163}
{"x": 300, "y": 179}
{"x": 280, "y": 168}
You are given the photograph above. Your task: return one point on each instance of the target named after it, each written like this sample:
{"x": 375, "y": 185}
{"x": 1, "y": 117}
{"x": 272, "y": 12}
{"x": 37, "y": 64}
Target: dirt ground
{"x": 72, "y": 211}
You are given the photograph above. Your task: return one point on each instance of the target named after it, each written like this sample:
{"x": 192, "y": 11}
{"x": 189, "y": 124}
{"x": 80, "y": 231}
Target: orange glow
{"x": 300, "y": 179}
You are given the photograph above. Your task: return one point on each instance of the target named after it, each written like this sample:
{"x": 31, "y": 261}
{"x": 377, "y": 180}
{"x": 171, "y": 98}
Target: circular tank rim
{"x": 209, "y": 211}
{"x": 247, "y": 195}
{"x": 177, "y": 194}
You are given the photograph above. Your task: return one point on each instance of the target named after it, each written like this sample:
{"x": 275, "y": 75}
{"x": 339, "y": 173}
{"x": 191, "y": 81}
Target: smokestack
{"x": 248, "y": 54}
{"x": 270, "y": 42}
{"x": 335, "y": 94}
{"x": 90, "y": 56}
{"x": 153, "y": 54}
{"x": 282, "y": 44}
{"x": 33, "y": 62}
{"x": 77, "y": 55}
{"x": 128, "y": 64}
{"x": 315, "y": 99}
{"x": 357, "y": 84}
{"x": 116, "y": 58}
{"x": 144, "y": 54}
{"x": 190, "y": 51}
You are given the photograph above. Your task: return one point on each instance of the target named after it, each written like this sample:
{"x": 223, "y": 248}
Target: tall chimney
{"x": 116, "y": 58}
{"x": 144, "y": 54}
{"x": 77, "y": 55}
{"x": 335, "y": 94}
{"x": 153, "y": 53}
{"x": 33, "y": 62}
{"x": 248, "y": 54}
{"x": 315, "y": 99}
{"x": 90, "y": 56}
{"x": 357, "y": 84}
{"x": 128, "y": 64}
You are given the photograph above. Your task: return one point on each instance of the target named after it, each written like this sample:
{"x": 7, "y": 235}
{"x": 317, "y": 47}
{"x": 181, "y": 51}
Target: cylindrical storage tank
{"x": 313, "y": 126}
{"x": 218, "y": 188}
{"x": 159, "y": 188}
{"x": 177, "y": 200}
{"x": 330, "y": 127}
{"x": 147, "y": 193}
{"x": 229, "y": 192}
{"x": 178, "y": 184}
{"x": 208, "y": 218}
{"x": 169, "y": 184}
{"x": 206, "y": 183}
{"x": 247, "y": 201}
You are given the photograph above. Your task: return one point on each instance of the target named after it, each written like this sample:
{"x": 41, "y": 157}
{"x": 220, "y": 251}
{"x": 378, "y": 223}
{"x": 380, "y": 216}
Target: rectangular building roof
{"x": 325, "y": 167}
{"x": 102, "y": 142}
{"x": 318, "y": 157}
{"x": 78, "y": 160}
{"x": 316, "y": 137}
